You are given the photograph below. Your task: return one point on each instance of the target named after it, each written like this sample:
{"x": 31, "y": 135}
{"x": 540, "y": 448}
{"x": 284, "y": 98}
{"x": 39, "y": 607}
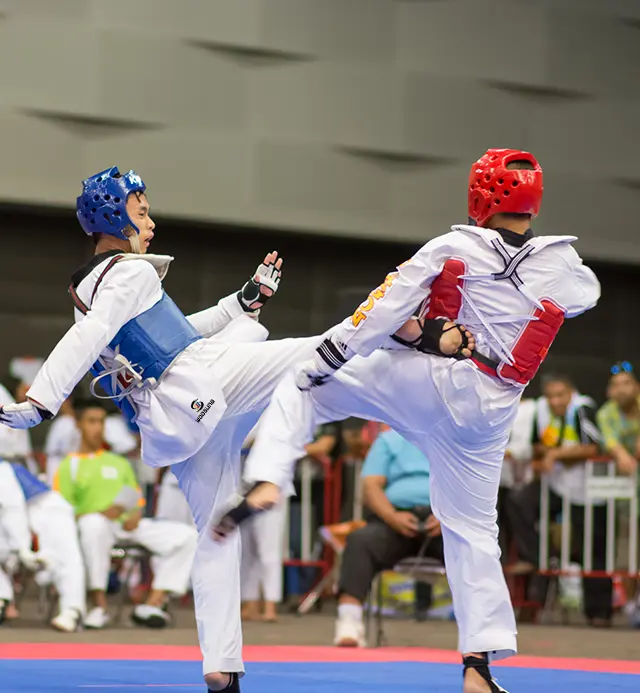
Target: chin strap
{"x": 481, "y": 665}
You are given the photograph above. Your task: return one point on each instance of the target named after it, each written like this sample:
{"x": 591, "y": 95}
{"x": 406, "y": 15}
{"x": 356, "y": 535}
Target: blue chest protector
{"x": 149, "y": 343}
{"x": 29, "y": 483}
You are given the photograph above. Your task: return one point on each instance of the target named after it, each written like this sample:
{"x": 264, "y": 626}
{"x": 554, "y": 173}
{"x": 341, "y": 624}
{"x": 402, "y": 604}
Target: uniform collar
{"x": 86, "y": 269}
{"x": 517, "y": 240}
{"x": 160, "y": 263}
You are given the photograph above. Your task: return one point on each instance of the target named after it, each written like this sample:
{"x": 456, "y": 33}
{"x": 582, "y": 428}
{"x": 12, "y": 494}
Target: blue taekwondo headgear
{"x": 102, "y": 207}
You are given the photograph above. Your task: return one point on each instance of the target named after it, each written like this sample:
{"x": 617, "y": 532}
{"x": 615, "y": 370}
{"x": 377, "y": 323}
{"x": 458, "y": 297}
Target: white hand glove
{"x": 23, "y": 415}
{"x": 327, "y": 359}
{"x": 263, "y": 285}
{"x": 31, "y": 561}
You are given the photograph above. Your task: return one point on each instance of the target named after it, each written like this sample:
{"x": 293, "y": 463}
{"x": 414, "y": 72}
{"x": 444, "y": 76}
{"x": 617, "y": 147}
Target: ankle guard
{"x": 234, "y": 684}
{"x": 239, "y": 513}
{"x": 481, "y": 665}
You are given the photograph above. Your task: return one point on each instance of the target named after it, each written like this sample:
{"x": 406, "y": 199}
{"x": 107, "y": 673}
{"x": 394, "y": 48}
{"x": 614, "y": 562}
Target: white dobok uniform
{"x": 263, "y": 545}
{"x": 229, "y": 370}
{"x": 456, "y": 413}
{"x": 48, "y": 515}
{"x": 171, "y": 545}
{"x": 172, "y": 504}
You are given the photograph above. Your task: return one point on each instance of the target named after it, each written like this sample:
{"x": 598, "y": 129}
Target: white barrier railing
{"x": 600, "y": 489}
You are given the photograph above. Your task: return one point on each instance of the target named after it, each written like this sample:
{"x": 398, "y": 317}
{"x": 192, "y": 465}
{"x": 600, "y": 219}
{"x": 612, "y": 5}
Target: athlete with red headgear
{"x": 513, "y": 291}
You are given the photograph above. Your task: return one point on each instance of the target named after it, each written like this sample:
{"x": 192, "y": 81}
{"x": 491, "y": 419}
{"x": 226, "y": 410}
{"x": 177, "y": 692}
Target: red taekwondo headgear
{"x": 495, "y": 189}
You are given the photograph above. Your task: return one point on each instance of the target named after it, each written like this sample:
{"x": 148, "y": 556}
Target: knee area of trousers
{"x": 357, "y": 541}
{"x": 92, "y": 524}
{"x": 221, "y": 681}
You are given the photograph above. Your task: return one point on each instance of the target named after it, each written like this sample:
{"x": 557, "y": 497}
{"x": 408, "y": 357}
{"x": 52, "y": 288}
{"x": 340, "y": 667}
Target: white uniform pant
{"x": 262, "y": 550}
{"x": 171, "y": 544}
{"x": 249, "y": 373}
{"x": 52, "y": 520}
{"x": 172, "y": 505}
{"x": 460, "y": 418}
{"x": 6, "y": 555}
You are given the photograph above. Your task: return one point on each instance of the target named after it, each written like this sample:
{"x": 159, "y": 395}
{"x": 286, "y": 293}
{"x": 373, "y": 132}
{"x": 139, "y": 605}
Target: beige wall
{"x": 356, "y": 117}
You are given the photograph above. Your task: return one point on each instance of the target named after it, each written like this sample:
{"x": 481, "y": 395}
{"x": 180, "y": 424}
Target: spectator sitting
{"x": 565, "y": 436}
{"x": 28, "y": 505}
{"x": 516, "y": 469}
{"x": 619, "y": 423}
{"x": 63, "y": 437}
{"x": 104, "y": 492}
{"x": 396, "y": 490}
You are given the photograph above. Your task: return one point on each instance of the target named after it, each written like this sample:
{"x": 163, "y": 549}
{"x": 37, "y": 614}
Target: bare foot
{"x": 270, "y": 613}
{"x": 250, "y": 611}
{"x": 11, "y": 612}
{"x": 474, "y": 683}
{"x": 451, "y": 340}
{"x": 264, "y": 496}
{"x": 520, "y": 568}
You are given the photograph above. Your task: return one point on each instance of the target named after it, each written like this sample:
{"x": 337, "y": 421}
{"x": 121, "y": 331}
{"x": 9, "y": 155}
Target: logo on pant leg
{"x": 199, "y": 406}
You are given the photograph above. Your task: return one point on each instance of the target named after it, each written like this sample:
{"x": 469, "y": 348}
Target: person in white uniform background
{"x": 261, "y": 563}
{"x": 513, "y": 291}
{"x": 174, "y": 376}
{"x": 107, "y": 501}
{"x": 28, "y": 505}
{"x": 15, "y": 445}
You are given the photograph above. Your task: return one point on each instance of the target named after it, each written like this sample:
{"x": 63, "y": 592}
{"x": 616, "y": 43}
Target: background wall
{"x": 350, "y": 117}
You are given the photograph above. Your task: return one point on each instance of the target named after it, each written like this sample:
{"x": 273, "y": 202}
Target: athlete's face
{"x": 138, "y": 211}
{"x": 623, "y": 390}
{"x": 558, "y": 396}
{"x": 91, "y": 426}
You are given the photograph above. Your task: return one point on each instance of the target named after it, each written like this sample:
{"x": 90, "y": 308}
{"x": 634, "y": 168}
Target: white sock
{"x": 350, "y": 611}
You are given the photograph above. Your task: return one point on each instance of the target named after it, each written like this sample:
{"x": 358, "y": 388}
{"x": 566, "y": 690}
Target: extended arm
{"x": 248, "y": 301}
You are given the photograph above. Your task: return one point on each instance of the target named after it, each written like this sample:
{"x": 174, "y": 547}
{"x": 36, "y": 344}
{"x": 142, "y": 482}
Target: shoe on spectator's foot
{"x": 97, "y": 618}
{"x": 150, "y": 616}
{"x": 349, "y": 633}
{"x": 67, "y": 621}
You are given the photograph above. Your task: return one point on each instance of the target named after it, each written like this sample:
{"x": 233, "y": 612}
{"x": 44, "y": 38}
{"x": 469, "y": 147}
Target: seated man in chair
{"x": 395, "y": 480}
{"x": 104, "y": 492}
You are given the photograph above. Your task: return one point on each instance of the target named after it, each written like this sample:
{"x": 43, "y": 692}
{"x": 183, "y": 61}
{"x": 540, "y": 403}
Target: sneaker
{"x": 150, "y": 616}
{"x": 67, "y": 621}
{"x": 97, "y": 618}
{"x": 349, "y": 633}
{"x": 633, "y": 614}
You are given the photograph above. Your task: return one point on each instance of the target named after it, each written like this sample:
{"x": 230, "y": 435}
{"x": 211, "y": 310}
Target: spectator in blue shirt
{"x": 395, "y": 481}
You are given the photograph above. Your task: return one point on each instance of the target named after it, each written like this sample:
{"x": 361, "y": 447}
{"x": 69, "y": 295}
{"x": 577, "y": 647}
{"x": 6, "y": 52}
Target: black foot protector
{"x": 233, "y": 687}
{"x": 481, "y": 665}
{"x": 236, "y": 515}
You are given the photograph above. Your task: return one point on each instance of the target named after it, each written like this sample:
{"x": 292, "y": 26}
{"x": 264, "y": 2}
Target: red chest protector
{"x": 534, "y": 341}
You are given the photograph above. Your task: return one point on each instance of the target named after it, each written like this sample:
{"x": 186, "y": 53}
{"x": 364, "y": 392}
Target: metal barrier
{"x": 600, "y": 489}
{"x": 330, "y": 510}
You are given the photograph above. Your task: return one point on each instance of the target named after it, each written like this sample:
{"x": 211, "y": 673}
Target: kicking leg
{"x": 371, "y": 388}
{"x": 207, "y": 481}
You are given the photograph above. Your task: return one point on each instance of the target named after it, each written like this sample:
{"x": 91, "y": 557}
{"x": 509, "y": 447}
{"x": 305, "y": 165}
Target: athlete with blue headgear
{"x": 194, "y": 385}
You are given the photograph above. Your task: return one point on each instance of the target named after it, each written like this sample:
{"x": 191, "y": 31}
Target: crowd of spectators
{"x": 63, "y": 509}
